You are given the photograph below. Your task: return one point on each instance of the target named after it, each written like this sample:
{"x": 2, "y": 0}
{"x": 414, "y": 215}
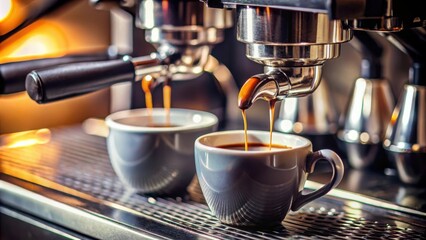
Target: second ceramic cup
{"x": 154, "y": 154}
{"x": 258, "y": 188}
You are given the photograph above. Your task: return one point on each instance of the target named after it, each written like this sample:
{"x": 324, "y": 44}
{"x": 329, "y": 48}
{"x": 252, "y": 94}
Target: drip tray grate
{"x": 79, "y": 161}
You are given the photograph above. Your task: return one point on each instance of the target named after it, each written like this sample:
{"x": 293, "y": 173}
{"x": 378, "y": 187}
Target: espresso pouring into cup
{"x": 258, "y": 188}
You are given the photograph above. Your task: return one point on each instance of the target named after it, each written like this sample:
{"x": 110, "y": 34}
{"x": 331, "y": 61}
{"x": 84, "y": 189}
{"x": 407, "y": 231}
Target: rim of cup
{"x": 198, "y": 142}
{"x": 204, "y": 120}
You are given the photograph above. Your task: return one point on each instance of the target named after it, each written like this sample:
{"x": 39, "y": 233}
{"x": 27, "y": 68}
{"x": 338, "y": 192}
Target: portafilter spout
{"x": 260, "y": 86}
{"x": 278, "y": 83}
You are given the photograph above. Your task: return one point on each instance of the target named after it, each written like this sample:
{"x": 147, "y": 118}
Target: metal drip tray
{"x": 69, "y": 181}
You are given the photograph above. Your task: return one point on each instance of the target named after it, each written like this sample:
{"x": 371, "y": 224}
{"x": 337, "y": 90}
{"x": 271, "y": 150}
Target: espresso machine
{"x": 64, "y": 184}
{"x": 405, "y": 136}
{"x": 293, "y": 40}
{"x": 183, "y": 34}
{"x": 364, "y": 122}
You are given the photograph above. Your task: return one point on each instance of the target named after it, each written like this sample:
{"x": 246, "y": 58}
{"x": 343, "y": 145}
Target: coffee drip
{"x": 271, "y": 120}
{"x": 243, "y": 112}
{"x": 245, "y": 100}
{"x": 147, "y": 84}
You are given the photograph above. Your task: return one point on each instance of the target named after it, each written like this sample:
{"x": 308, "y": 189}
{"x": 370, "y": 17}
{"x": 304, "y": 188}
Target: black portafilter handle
{"x": 75, "y": 79}
{"x": 12, "y": 75}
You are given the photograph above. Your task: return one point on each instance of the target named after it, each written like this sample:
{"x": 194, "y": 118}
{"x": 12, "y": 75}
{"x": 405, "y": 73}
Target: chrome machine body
{"x": 183, "y": 33}
{"x": 364, "y": 122}
{"x": 292, "y": 45}
{"x": 293, "y": 39}
{"x": 405, "y": 139}
{"x": 186, "y": 30}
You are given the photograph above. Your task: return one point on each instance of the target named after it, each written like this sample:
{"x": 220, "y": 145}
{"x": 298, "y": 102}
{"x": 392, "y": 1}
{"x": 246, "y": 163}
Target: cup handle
{"x": 338, "y": 171}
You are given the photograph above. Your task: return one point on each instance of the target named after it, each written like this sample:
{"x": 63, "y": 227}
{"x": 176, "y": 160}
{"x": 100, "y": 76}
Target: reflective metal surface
{"x": 405, "y": 139}
{"x": 386, "y": 15}
{"x": 277, "y": 55}
{"x": 278, "y": 83}
{"x": 187, "y": 30}
{"x": 386, "y": 23}
{"x": 175, "y": 14}
{"x": 314, "y": 114}
{"x": 69, "y": 181}
{"x": 296, "y": 5}
{"x": 406, "y": 131}
{"x": 300, "y": 81}
{"x": 364, "y": 122}
{"x": 276, "y": 37}
{"x": 280, "y": 27}
{"x": 375, "y": 185}
{"x": 382, "y": 24}
{"x": 292, "y": 42}
{"x": 18, "y": 225}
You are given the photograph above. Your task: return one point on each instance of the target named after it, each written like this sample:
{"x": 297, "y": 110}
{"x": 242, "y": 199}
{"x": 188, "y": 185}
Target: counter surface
{"x": 69, "y": 181}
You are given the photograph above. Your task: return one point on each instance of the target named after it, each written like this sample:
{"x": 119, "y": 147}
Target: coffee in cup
{"x": 253, "y": 146}
{"x": 258, "y": 187}
{"x": 154, "y": 154}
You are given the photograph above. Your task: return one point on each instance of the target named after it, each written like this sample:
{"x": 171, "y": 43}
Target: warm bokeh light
{"x": 75, "y": 29}
{"x": 5, "y": 9}
{"x": 12, "y": 13}
{"x": 42, "y": 38}
{"x": 25, "y": 139}
{"x": 37, "y": 44}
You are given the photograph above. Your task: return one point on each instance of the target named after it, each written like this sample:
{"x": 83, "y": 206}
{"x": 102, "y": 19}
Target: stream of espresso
{"x": 245, "y": 98}
{"x": 147, "y": 85}
{"x": 167, "y": 94}
{"x": 271, "y": 125}
{"x": 271, "y": 120}
{"x": 243, "y": 111}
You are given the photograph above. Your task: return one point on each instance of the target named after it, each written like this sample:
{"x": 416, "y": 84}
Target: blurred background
{"x": 77, "y": 27}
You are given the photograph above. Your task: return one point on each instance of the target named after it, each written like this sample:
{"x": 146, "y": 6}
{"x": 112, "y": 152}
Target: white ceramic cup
{"x": 156, "y": 160}
{"x": 258, "y": 188}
